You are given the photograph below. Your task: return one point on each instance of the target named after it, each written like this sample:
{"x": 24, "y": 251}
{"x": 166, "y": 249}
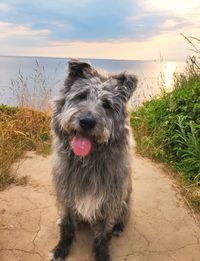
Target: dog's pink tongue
{"x": 81, "y": 146}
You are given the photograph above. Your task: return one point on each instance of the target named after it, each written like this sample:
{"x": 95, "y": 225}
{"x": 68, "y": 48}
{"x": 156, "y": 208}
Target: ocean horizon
{"x": 152, "y": 74}
{"x": 93, "y": 58}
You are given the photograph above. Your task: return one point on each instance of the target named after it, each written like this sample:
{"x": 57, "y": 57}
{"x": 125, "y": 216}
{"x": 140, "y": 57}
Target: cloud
{"x": 89, "y": 20}
{"x": 11, "y": 30}
{"x": 146, "y": 50}
{"x": 171, "y": 24}
{"x": 184, "y": 12}
{"x": 14, "y": 37}
{"x": 167, "y": 17}
{"x": 4, "y": 7}
{"x": 177, "y": 7}
{"x": 95, "y": 20}
{"x": 157, "y": 24}
{"x": 125, "y": 29}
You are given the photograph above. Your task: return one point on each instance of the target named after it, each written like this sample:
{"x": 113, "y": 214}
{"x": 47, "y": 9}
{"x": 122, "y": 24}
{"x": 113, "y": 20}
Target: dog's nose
{"x": 87, "y": 123}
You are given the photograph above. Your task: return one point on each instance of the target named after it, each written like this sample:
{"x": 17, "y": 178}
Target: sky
{"x": 114, "y": 29}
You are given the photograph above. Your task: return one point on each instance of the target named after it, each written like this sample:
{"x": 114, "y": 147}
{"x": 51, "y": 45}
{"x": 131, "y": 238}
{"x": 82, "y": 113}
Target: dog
{"x": 92, "y": 156}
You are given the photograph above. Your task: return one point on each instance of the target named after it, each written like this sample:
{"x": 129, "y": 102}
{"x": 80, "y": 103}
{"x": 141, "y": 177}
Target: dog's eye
{"x": 82, "y": 96}
{"x": 106, "y": 104}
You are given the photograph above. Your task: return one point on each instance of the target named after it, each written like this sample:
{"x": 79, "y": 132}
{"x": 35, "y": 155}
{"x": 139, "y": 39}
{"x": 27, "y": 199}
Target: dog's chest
{"x": 88, "y": 206}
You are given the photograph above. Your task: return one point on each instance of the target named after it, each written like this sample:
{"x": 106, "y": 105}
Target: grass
{"x": 27, "y": 126}
{"x": 167, "y": 129}
{"x": 21, "y": 129}
{"x": 35, "y": 90}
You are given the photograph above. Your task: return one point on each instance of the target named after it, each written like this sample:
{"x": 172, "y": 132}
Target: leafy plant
{"x": 168, "y": 128}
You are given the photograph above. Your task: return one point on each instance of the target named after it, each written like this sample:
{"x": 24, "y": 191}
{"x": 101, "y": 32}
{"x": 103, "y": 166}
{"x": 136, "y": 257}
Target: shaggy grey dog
{"x": 92, "y": 156}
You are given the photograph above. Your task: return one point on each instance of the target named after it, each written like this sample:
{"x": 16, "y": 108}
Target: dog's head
{"x": 92, "y": 107}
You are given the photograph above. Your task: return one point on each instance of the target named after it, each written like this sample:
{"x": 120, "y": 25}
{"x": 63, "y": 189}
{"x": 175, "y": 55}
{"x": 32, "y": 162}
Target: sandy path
{"x": 161, "y": 227}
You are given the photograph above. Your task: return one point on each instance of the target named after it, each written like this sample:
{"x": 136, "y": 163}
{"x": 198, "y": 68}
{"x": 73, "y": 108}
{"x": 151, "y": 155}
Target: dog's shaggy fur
{"x": 96, "y": 188}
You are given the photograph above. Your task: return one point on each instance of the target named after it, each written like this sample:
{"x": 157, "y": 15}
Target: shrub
{"x": 168, "y": 128}
{"x": 21, "y": 129}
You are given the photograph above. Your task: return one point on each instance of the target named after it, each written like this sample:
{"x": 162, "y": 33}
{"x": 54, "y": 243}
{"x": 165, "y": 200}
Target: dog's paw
{"x": 101, "y": 257}
{"x": 116, "y": 233}
{"x": 58, "y": 254}
{"x": 117, "y": 230}
{"x": 53, "y": 258}
{"x": 58, "y": 221}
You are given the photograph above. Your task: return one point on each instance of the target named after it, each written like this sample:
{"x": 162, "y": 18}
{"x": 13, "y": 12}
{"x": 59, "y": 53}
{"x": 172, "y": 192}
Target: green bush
{"x": 168, "y": 128}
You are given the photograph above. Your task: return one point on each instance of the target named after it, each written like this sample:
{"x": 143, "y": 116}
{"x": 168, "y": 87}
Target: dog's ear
{"x": 79, "y": 69}
{"x": 127, "y": 84}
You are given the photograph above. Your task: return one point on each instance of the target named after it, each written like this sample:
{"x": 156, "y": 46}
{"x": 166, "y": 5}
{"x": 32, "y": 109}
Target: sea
{"x": 154, "y": 76}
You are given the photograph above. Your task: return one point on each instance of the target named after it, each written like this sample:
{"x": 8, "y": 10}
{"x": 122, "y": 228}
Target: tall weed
{"x": 21, "y": 129}
{"x": 27, "y": 126}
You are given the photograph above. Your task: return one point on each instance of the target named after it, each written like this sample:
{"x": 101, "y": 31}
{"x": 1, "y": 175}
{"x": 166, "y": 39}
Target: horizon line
{"x": 90, "y": 58}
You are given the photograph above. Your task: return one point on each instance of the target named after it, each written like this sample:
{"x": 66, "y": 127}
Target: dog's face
{"x": 93, "y": 106}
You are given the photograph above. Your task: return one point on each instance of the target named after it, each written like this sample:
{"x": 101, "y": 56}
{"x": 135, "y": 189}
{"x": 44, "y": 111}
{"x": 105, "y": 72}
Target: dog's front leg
{"x": 102, "y": 238}
{"x": 67, "y": 233}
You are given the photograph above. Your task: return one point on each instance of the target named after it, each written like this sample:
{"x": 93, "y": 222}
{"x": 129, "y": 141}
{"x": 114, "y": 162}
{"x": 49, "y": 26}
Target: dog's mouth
{"x": 81, "y": 144}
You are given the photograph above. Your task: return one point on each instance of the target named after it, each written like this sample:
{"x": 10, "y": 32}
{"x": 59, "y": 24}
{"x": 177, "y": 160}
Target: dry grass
{"x": 35, "y": 90}
{"x": 21, "y": 129}
{"x": 27, "y": 126}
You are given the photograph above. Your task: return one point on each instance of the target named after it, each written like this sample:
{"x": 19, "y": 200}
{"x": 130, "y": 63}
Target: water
{"x": 150, "y": 74}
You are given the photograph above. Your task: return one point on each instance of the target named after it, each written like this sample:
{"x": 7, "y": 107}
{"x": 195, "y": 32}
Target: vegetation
{"x": 167, "y": 128}
{"x": 21, "y": 129}
{"x": 34, "y": 90}
{"x": 27, "y": 126}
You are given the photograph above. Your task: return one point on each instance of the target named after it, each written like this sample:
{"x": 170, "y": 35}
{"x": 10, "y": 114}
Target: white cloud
{"x": 169, "y": 23}
{"x": 181, "y": 10}
{"x": 4, "y": 7}
{"x": 179, "y": 7}
{"x": 23, "y": 40}
{"x": 11, "y": 30}
{"x": 171, "y": 47}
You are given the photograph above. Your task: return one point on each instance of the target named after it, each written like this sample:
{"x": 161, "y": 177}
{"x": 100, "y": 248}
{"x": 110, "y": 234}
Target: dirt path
{"x": 161, "y": 227}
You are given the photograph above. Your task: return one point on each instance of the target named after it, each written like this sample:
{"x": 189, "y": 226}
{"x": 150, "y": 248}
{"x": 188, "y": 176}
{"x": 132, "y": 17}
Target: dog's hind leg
{"x": 67, "y": 233}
